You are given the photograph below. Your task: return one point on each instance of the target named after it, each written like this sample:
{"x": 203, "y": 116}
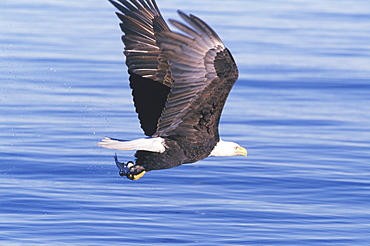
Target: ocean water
{"x": 301, "y": 107}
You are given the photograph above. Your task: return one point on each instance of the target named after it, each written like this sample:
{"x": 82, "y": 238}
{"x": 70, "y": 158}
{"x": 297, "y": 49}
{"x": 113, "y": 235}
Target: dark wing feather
{"x": 203, "y": 72}
{"x": 150, "y": 98}
{"x": 146, "y": 63}
{"x": 143, "y": 56}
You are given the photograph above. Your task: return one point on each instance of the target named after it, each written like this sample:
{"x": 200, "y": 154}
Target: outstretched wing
{"x": 150, "y": 78}
{"x": 203, "y": 71}
{"x": 143, "y": 56}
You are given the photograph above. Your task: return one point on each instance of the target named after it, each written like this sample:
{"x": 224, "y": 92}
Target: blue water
{"x": 301, "y": 107}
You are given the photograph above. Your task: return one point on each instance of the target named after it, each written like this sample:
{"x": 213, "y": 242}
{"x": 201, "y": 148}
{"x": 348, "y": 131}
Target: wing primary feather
{"x": 184, "y": 28}
{"x": 211, "y": 34}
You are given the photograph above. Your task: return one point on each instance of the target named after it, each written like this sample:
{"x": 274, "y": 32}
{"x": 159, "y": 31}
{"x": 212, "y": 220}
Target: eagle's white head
{"x": 224, "y": 148}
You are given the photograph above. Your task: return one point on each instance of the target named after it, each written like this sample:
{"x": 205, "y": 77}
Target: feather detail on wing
{"x": 143, "y": 56}
{"x": 192, "y": 65}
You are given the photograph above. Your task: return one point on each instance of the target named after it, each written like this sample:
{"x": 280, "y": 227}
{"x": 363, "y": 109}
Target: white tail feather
{"x": 148, "y": 144}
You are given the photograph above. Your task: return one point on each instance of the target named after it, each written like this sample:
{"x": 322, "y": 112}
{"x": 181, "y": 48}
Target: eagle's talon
{"x": 130, "y": 170}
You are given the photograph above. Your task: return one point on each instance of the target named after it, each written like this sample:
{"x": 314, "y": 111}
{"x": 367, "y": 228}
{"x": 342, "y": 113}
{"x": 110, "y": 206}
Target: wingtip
{"x": 182, "y": 14}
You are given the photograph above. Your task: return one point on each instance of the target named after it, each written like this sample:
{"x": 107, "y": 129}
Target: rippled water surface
{"x": 300, "y": 107}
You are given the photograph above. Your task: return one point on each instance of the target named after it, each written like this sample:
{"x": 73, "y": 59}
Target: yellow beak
{"x": 241, "y": 151}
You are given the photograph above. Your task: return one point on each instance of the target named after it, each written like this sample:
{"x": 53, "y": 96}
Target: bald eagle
{"x": 180, "y": 82}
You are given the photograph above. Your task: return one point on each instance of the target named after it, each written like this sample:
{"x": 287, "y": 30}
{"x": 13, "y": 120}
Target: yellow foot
{"x": 130, "y": 170}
